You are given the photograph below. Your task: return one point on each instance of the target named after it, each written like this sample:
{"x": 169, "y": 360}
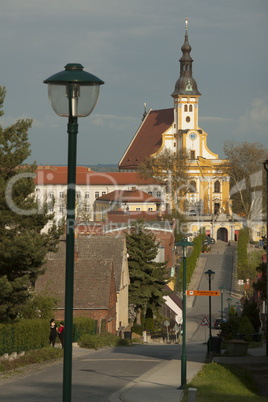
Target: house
{"x": 127, "y": 201}
{"x": 51, "y": 187}
{"x": 172, "y": 309}
{"x": 100, "y": 280}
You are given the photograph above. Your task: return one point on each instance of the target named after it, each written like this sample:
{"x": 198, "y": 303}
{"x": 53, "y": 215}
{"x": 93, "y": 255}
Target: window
{"x": 87, "y": 208}
{"x": 138, "y": 209}
{"x": 51, "y": 208}
{"x": 188, "y": 119}
{"x": 51, "y": 195}
{"x": 150, "y": 209}
{"x": 61, "y": 194}
{"x": 150, "y": 193}
{"x": 192, "y": 155}
{"x": 158, "y": 194}
{"x": 258, "y": 234}
{"x": 185, "y": 108}
{"x": 192, "y": 187}
{"x": 217, "y": 186}
{"x": 103, "y": 193}
{"x": 78, "y": 195}
{"x": 190, "y": 108}
{"x": 87, "y": 194}
{"x": 61, "y": 209}
{"x": 97, "y": 194}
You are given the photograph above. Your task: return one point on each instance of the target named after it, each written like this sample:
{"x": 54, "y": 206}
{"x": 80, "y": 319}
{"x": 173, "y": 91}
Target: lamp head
{"x": 73, "y": 92}
{"x": 210, "y": 274}
{"x": 184, "y": 248}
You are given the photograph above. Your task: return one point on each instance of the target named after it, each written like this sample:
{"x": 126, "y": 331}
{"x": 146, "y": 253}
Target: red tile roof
{"x": 129, "y": 196}
{"x": 58, "y": 175}
{"x": 148, "y": 138}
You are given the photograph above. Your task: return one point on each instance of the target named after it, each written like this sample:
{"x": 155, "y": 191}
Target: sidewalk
{"x": 159, "y": 384}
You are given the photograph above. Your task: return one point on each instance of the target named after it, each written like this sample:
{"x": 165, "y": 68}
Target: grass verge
{"x": 223, "y": 383}
{"x": 32, "y": 357}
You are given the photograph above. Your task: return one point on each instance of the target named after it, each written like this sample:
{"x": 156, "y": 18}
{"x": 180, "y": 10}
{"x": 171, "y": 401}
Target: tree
{"x": 170, "y": 170}
{"x": 247, "y": 183}
{"x": 251, "y": 311}
{"x": 147, "y": 277}
{"x": 23, "y": 247}
{"x": 261, "y": 284}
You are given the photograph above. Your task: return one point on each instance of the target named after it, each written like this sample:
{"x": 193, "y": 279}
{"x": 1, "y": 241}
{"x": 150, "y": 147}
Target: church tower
{"x": 186, "y": 93}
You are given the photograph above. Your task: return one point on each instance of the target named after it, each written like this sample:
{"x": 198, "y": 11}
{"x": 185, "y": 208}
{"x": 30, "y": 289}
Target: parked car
{"x": 217, "y": 323}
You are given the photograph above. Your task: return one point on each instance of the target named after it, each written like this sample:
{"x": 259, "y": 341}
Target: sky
{"x": 134, "y": 46}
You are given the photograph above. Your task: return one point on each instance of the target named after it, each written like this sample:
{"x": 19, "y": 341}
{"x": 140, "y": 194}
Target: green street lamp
{"x": 229, "y": 303}
{"x": 184, "y": 244}
{"x": 209, "y": 275}
{"x": 221, "y": 289}
{"x": 72, "y": 93}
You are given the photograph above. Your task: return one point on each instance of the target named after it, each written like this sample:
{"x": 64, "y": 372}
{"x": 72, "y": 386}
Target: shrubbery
{"x": 101, "y": 340}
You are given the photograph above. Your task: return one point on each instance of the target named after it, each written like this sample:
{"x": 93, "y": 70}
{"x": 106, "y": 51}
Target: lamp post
{"x": 72, "y": 93}
{"x": 229, "y": 304}
{"x": 184, "y": 244}
{"x": 265, "y": 164}
{"x": 209, "y": 275}
{"x": 221, "y": 289}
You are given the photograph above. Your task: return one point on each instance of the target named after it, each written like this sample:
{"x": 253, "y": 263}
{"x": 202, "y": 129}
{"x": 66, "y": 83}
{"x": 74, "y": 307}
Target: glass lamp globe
{"x": 73, "y": 92}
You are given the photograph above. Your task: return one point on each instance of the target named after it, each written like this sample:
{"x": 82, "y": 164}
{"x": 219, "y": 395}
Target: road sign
{"x": 202, "y": 292}
{"x": 204, "y": 322}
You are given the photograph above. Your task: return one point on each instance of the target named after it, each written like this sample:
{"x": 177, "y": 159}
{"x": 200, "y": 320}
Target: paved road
{"x": 220, "y": 260}
{"x": 107, "y": 374}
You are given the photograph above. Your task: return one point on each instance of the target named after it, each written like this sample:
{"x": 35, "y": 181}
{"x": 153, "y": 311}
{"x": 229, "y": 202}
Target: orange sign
{"x": 202, "y": 292}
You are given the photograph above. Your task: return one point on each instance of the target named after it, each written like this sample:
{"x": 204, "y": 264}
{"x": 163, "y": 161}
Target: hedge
{"x": 31, "y": 334}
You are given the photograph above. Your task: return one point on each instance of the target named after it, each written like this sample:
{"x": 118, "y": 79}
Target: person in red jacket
{"x": 61, "y": 333}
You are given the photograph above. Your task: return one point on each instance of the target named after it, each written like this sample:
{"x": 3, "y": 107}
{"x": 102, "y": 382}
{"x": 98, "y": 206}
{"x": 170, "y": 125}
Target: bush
{"x": 24, "y": 335}
{"x": 101, "y": 340}
{"x": 83, "y": 326}
{"x": 245, "y": 328}
{"x": 138, "y": 329}
{"x": 229, "y": 329}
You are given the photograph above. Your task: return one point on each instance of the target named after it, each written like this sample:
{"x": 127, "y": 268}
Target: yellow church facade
{"x": 206, "y": 203}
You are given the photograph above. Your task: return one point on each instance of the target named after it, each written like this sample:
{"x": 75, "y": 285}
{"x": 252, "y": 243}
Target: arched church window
{"x": 190, "y": 108}
{"x": 185, "y": 108}
{"x": 217, "y": 186}
{"x": 192, "y": 186}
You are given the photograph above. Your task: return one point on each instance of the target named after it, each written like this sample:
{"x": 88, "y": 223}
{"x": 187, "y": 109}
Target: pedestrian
{"x": 61, "y": 333}
{"x": 53, "y": 332}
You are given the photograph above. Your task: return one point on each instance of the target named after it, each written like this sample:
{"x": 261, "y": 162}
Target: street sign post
{"x": 202, "y": 293}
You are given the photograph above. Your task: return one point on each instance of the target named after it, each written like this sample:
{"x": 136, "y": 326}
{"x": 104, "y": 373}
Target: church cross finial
{"x": 186, "y": 23}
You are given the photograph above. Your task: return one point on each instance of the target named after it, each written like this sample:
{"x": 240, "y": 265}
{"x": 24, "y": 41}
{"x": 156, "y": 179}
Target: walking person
{"x": 53, "y": 332}
{"x": 61, "y": 333}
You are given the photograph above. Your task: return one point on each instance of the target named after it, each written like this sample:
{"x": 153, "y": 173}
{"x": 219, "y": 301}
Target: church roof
{"x": 148, "y": 138}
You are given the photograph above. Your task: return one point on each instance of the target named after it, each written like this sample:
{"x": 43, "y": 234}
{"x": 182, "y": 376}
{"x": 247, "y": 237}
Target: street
{"x": 98, "y": 375}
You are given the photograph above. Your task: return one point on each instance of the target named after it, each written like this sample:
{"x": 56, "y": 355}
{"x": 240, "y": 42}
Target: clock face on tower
{"x": 193, "y": 136}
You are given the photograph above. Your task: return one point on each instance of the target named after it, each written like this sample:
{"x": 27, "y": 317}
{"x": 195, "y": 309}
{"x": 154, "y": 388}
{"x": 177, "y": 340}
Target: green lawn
{"x": 222, "y": 383}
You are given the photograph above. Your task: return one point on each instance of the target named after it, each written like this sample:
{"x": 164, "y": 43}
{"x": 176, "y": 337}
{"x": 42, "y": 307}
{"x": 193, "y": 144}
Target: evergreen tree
{"x": 23, "y": 247}
{"x": 250, "y": 310}
{"x": 147, "y": 277}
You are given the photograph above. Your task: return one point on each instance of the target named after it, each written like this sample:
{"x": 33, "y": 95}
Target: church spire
{"x": 186, "y": 84}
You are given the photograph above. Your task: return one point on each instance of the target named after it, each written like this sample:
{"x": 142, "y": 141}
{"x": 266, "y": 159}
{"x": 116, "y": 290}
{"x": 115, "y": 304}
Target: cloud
{"x": 112, "y": 121}
{"x": 254, "y": 119}
{"x": 215, "y": 119}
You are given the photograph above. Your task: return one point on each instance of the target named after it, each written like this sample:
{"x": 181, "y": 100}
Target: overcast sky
{"x": 134, "y": 46}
